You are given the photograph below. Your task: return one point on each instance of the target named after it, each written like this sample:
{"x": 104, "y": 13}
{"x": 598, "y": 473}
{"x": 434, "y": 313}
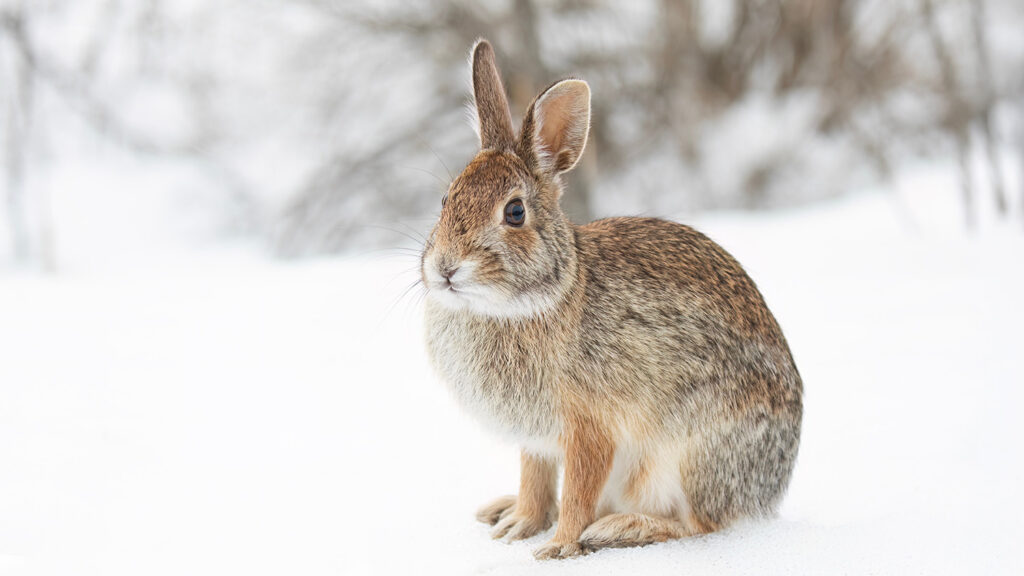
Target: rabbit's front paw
{"x": 517, "y": 526}
{"x": 558, "y": 550}
{"x": 509, "y": 522}
{"x": 494, "y": 511}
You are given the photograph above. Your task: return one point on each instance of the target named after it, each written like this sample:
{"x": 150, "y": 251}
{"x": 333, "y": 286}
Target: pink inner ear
{"x": 556, "y": 115}
{"x": 563, "y": 120}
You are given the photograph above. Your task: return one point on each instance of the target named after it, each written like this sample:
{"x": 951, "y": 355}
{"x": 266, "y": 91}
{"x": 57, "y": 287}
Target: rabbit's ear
{"x": 493, "y": 116}
{"x": 555, "y": 128}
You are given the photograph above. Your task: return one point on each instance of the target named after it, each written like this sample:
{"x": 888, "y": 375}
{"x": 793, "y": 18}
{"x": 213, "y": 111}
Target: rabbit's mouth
{"x": 454, "y": 289}
{"x": 489, "y": 301}
{"x": 459, "y": 289}
{"x": 456, "y": 286}
{"x": 450, "y": 282}
{"x": 455, "y": 296}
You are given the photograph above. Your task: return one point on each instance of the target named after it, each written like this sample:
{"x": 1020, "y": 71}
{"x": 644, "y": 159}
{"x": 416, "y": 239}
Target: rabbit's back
{"x": 672, "y": 323}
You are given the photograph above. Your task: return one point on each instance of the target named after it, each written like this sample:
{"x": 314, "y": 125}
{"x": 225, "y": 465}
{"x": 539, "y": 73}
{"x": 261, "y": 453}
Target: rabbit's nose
{"x": 448, "y": 272}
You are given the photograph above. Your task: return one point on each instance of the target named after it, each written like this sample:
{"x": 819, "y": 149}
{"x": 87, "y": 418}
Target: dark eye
{"x": 515, "y": 213}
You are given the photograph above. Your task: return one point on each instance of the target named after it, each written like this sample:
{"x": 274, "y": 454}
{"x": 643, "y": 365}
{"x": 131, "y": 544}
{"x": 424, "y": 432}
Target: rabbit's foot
{"x": 494, "y": 511}
{"x": 558, "y": 550}
{"x": 516, "y": 526}
{"x": 623, "y": 530}
{"x": 509, "y": 522}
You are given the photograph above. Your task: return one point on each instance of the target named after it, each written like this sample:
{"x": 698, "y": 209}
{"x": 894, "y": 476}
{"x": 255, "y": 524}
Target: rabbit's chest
{"x": 505, "y": 379}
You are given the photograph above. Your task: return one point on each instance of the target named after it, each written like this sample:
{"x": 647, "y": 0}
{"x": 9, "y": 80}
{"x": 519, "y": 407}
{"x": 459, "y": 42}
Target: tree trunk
{"x": 957, "y": 117}
{"x": 988, "y": 99}
{"x": 18, "y": 123}
{"x": 963, "y": 149}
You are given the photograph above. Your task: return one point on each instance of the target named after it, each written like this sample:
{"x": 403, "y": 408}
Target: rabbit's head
{"x": 502, "y": 246}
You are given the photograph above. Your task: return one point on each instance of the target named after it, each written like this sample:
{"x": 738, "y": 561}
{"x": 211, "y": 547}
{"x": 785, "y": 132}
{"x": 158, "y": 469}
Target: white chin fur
{"x": 486, "y": 302}
{"x": 480, "y": 299}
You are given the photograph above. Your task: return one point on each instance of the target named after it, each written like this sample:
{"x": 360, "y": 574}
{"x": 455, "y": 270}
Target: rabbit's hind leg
{"x": 652, "y": 506}
{"x": 624, "y": 530}
{"x": 740, "y": 470}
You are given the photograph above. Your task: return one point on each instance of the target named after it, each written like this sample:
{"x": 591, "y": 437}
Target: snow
{"x": 221, "y": 413}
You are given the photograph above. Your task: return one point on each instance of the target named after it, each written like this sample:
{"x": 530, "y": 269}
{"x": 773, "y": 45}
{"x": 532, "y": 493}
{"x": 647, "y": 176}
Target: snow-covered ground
{"x": 226, "y": 414}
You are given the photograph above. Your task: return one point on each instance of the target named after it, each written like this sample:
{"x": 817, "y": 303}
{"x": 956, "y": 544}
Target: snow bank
{"x": 236, "y": 416}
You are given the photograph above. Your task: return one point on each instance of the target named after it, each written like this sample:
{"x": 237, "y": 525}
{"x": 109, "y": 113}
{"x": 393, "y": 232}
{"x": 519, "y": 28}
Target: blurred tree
{"x": 28, "y": 242}
{"x": 327, "y": 124}
{"x": 749, "y": 103}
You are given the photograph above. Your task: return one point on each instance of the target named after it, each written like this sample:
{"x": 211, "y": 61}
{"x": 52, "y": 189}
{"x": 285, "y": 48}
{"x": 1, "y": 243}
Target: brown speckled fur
{"x": 634, "y": 352}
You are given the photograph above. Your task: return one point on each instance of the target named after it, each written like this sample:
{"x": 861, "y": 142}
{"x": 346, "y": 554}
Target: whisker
{"x": 421, "y": 296}
{"x": 391, "y": 308}
{"x": 425, "y": 171}
{"x": 402, "y": 274}
{"x": 439, "y": 159}
{"x": 421, "y": 240}
{"x": 425, "y": 239}
{"x": 396, "y": 250}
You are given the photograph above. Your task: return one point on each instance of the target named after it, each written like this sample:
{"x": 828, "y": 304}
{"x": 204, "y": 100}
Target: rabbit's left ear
{"x": 555, "y": 128}
{"x": 494, "y": 120}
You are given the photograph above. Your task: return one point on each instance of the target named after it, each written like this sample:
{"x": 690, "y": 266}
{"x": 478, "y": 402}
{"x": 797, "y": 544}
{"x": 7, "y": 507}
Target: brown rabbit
{"x": 635, "y": 352}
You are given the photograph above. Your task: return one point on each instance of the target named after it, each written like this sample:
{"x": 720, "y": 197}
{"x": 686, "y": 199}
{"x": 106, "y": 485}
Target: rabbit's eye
{"x": 515, "y": 213}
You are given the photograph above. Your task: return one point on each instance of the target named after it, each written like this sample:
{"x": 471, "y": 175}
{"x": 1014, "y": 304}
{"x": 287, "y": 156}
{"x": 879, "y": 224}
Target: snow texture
{"x": 226, "y": 414}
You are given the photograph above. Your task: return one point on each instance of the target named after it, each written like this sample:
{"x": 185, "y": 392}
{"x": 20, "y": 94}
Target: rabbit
{"x": 635, "y": 353}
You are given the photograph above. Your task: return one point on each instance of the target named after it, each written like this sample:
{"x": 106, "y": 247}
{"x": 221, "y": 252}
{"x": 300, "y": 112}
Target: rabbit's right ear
{"x": 555, "y": 128}
{"x": 493, "y": 115}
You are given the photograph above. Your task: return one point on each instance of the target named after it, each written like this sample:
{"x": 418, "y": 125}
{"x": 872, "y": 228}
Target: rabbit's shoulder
{"x": 655, "y": 267}
{"x": 652, "y": 251}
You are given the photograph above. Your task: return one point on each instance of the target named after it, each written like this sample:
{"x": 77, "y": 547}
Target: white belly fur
{"x": 646, "y": 480}
{"x": 658, "y": 493}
